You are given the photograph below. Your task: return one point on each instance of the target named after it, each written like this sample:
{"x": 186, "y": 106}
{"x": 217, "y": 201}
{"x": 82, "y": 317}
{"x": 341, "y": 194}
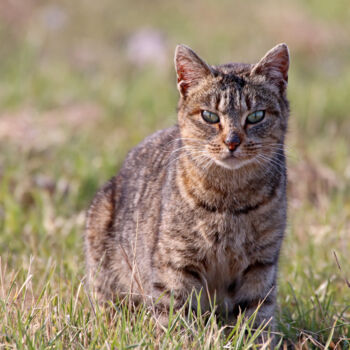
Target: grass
{"x": 72, "y": 104}
{"x": 71, "y": 319}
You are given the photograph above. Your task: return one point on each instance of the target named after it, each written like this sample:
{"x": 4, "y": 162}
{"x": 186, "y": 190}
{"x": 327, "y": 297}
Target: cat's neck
{"x": 218, "y": 187}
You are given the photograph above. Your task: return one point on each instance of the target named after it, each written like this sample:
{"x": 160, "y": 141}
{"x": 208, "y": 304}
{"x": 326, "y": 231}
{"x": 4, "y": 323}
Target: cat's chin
{"x": 233, "y": 163}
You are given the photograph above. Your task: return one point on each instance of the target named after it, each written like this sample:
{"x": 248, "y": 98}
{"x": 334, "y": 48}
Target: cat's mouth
{"x": 237, "y": 156}
{"x": 230, "y": 156}
{"x": 234, "y": 161}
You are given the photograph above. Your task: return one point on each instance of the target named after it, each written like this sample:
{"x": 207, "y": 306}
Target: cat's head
{"x": 233, "y": 114}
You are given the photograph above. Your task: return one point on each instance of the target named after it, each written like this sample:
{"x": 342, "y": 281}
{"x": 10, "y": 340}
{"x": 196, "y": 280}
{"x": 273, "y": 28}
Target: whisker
{"x": 207, "y": 162}
{"x": 180, "y": 149}
{"x": 281, "y": 146}
{"x": 277, "y": 166}
{"x": 193, "y": 152}
{"x": 273, "y": 147}
{"x": 185, "y": 138}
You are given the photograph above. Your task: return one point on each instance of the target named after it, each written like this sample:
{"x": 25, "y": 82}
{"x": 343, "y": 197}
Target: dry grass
{"x": 73, "y": 102}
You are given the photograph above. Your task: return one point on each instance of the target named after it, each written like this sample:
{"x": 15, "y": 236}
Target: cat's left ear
{"x": 274, "y": 66}
{"x": 190, "y": 69}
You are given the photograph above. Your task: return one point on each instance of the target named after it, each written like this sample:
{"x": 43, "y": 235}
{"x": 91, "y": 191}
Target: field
{"x": 75, "y": 97}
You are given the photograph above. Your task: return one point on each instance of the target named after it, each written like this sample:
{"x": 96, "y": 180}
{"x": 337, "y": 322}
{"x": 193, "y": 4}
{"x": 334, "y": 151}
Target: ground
{"x": 82, "y": 82}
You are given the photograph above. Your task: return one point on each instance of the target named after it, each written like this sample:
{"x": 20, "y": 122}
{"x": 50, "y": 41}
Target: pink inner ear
{"x": 189, "y": 75}
{"x": 184, "y": 78}
{"x": 185, "y": 74}
{"x": 190, "y": 69}
{"x": 280, "y": 63}
{"x": 180, "y": 72}
{"x": 275, "y": 64}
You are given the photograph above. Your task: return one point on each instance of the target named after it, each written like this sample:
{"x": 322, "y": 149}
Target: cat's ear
{"x": 274, "y": 66}
{"x": 190, "y": 69}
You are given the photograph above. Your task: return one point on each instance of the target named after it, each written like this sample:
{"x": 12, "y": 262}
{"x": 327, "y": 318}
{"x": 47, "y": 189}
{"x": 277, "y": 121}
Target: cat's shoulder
{"x": 146, "y": 155}
{"x": 155, "y": 146}
{"x": 159, "y": 138}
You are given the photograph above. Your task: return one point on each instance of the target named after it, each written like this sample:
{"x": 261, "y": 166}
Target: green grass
{"x": 70, "y": 318}
{"x": 71, "y": 106}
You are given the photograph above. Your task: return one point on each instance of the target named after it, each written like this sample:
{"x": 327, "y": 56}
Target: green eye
{"x": 255, "y": 117}
{"x": 210, "y": 117}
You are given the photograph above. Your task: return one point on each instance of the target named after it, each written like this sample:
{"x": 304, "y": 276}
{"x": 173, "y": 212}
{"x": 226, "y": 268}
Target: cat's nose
{"x": 232, "y": 141}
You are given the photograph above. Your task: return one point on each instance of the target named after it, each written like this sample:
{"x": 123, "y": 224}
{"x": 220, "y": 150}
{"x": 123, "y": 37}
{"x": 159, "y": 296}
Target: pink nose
{"x": 232, "y": 142}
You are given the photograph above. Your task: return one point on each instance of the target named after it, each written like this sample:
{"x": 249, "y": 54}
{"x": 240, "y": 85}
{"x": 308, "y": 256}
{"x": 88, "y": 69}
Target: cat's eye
{"x": 210, "y": 117}
{"x": 255, "y": 117}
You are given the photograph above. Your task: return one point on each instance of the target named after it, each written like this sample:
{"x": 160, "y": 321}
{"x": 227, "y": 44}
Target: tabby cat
{"x": 201, "y": 205}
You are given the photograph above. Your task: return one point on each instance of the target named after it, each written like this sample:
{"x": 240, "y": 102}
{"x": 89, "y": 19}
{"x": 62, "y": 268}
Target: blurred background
{"x": 81, "y": 82}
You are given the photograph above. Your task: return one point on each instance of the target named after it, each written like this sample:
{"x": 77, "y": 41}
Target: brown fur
{"x": 183, "y": 213}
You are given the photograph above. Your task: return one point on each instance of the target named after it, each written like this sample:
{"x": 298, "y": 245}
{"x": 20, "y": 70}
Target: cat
{"x": 201, "y": 205}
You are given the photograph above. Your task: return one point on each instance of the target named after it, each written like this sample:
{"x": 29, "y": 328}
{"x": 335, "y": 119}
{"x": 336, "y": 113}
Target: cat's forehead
{"x": 230, "y": 76}
{"x": 239, "y": 69}
{"x": 232, "y": 88}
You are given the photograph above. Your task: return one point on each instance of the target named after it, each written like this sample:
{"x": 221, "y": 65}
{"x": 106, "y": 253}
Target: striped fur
{"x": 184, "y": 214}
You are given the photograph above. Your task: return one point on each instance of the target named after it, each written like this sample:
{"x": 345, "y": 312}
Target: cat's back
{"x": 117, "y": 207}
{"x": 150, "y": 158}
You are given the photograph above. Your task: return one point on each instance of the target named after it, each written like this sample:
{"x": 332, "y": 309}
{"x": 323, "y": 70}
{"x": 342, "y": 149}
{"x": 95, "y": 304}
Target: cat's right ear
{"x": 274, "y": 66}
{"x": 190, "y": 69}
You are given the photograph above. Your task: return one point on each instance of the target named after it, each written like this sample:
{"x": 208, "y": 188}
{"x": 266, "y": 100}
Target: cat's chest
{"x": 225, "y": 253}
{"x": 225, "y": 231}
{"x": 224, "y": 245}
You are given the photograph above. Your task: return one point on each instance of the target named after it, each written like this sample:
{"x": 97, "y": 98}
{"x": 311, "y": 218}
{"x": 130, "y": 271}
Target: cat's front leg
{"x": 175, "y": 287}
{"x": 257, "y": 295}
